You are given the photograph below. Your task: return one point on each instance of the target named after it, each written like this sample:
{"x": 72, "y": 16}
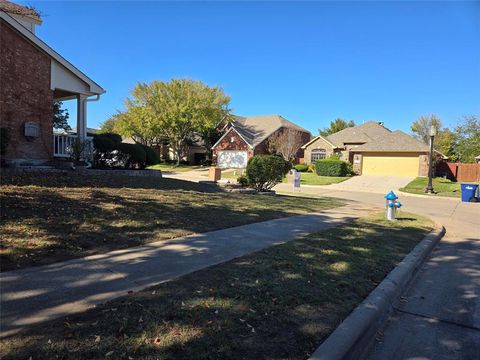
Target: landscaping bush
{"x": 332, "y": 167}
{"x": 265, "y": 171}
{"x": 242, "y": 180}
{"x": 4, "y": 140}
{"x": 106, "y": 142}
{"x": 152, "y": 157}
{"x": 131, "y": 155}
{"x": 301, "y": 167}
{"x": 311, "y": 168}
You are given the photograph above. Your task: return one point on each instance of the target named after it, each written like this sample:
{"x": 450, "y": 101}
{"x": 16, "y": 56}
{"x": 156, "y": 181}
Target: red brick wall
{"x": 227, "y": 144}
{"x": 25, "y": 95}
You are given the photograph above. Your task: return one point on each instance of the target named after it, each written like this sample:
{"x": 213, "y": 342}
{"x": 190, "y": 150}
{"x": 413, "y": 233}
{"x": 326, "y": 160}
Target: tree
{"x": 109, "y": 125}
{"x": 60, "y": 116}
{"x": 445, "y": 142}
{"x": 468, "y": 139}
{"x": 140, "y": 123}
{"x": 421, "y": 127}
{"x": 286, "y": 143}
{"x": 335, "y": 126}
{"x": 179, "y": 109}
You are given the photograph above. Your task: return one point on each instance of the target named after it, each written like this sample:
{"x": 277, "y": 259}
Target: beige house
{"x": 373, "y": 150}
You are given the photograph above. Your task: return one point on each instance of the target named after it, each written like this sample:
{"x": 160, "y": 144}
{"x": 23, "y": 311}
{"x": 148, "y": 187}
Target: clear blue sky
{"x": 308, "y": 61}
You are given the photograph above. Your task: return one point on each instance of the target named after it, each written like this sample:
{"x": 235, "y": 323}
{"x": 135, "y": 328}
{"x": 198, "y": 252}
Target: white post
{"x": 81, "y": 117}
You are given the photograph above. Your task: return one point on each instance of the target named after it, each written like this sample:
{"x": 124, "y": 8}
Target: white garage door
{"x": 232, "y": 159}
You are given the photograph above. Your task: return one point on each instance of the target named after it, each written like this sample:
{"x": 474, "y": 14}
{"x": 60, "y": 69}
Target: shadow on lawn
{"x": 278, "y": 303}
{"x": 73, "y": 180}
{"x": 42, "y": 225}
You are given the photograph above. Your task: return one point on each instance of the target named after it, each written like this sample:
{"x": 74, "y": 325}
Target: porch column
{"x": 81, "y": 117}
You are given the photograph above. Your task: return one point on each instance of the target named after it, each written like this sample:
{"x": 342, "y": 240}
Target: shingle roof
{"x": 394, "y": 141}
{"x": 12, "y": 8}
{"x": 255, "y": 129}
{"x": 366, "y": 132}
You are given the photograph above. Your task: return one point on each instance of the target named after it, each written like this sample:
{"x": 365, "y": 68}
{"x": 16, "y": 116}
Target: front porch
{"x": 62, "y": 143}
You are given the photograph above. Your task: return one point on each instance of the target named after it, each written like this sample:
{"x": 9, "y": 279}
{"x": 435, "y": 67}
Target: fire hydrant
{"x": 392, "y": 205}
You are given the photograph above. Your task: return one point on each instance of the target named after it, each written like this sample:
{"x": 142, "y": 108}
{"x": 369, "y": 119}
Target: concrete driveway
{"x": 372, "y": 184}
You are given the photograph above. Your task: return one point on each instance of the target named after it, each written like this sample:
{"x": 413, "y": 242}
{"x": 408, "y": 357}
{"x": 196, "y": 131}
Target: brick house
{"x": 33, "y": 76}
{"x": 373, "y": 150}
{"x": 244, "y": 137}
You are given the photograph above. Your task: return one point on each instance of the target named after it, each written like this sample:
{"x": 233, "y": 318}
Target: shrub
{"x": 265, "y": 171}
{"x": 4, "y": 140}
{"x": 332, "y": 167}
{"x": 301, "y": 167}
{"x": 105, "y": 144}
{"x": 311, "y": 168}
{"x": 131, "y": 155}
{"x": 152, "y": 157}
{"x": 242, "y": 180}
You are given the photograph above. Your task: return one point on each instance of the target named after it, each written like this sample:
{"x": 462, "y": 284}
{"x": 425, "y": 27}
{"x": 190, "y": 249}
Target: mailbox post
{"x": 296, "y": 177}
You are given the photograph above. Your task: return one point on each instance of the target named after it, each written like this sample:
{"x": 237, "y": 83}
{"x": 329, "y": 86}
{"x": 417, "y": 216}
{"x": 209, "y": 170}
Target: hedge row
{"x": 111, "y": 152}
{"x": 333, "y": 167}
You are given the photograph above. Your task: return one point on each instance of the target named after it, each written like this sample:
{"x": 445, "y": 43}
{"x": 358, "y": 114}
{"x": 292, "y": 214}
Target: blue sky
{"x": 308, "y": 61}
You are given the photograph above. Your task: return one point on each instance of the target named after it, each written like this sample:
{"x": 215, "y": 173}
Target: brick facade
{"x": 319, "y": 143}
{"x": 232, "y": 141}
{"x": 25, "y": 95}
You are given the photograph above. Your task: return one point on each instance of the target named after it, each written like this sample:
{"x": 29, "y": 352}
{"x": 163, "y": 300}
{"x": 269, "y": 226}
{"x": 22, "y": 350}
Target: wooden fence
{"x": 459, "y": 171}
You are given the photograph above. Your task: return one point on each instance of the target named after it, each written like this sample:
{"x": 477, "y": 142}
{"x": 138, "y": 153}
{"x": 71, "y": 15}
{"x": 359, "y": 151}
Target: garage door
{"x": 232, "y": 159}
{"x": 390, "y": 165}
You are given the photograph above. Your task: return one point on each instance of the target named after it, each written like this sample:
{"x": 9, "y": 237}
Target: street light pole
{"x": 433, "y": 132}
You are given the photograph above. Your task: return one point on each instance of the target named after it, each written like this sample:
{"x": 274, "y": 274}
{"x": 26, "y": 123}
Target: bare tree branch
{"x": 286, "y": 143}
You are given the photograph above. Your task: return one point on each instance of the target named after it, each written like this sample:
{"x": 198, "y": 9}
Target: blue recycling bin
{"x": 469, "y": 192}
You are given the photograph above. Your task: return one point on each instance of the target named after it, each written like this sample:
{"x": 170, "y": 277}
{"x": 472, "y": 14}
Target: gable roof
{"x": 16, "y": 9}
{"x": 394, "y": 141}
{"x": 95, "y": 89}
{"x": 366, "y": 132}
{"x": 319, "y": 137}
{"x": 255, "y": 129}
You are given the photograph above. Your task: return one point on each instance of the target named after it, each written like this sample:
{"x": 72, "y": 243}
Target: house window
{"x": 318, "y": 154}
{"x": 232, "y": 139}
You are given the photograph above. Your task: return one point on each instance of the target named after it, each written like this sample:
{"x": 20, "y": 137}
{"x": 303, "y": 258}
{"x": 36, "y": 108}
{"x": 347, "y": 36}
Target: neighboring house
{"x": 244, "y": 137}
{"x": 373, "y": 150}
{"x": 195, "y": 152}
{"x": 477, "y": 159}
{"x": 33, "y": 76}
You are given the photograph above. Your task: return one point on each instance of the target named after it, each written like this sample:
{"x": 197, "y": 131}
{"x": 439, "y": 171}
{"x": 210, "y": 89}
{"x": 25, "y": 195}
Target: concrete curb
{"x": 428, "y": 196}
{"x": 355, "y": 334}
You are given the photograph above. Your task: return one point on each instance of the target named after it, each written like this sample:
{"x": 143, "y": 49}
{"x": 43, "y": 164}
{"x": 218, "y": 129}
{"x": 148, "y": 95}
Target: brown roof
{"x": 366, "y": 132}
{"x": 255, "y": 129}
{"x": 12, "y": 8}
{"x": 394, "y": 141}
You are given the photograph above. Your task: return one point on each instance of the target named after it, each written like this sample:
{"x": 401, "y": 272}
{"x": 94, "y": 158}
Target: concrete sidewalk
{"x": 37, "y": 294}
{"x": 438, "y": 317}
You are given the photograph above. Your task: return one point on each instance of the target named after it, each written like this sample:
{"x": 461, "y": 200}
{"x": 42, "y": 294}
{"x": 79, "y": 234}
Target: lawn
{"x": 52, "y": 217}
{"x": 308, "y": 178}
{"x": 441, "y": 186}
{"x": 279, "y": 303}
{"x": 172, "y": 167}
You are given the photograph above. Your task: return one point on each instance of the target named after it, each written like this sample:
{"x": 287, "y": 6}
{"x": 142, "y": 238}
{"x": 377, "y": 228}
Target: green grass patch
{"x": 52, "y": 217}
{"x": 308, "y": 178}
{"x": 278, "y": 303}
{"x": 441, "y": 186}
{"x": 171, "y": 167}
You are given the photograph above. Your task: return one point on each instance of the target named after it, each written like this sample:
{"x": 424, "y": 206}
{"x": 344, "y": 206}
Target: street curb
{"x": 353, "y": 337}
{"x": 428, "y": 196}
